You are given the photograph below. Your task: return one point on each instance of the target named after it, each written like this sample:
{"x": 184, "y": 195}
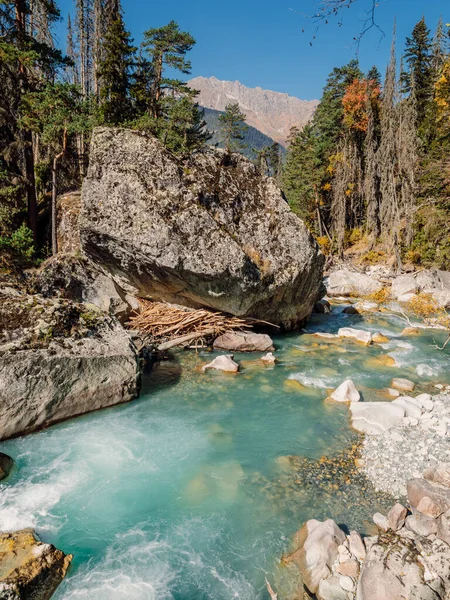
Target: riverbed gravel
{"x": 405, "y": 451}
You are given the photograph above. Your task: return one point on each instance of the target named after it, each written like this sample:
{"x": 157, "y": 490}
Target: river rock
{"x": 331, "y": 589}
{"x": 346, "y": 392}
{"x": 323, "y": 307}
{"x": 439, "y": 474}
{"x": 223, "y": 363}
{"x": 379, "y": 338}
{"x": 381, "y": 521}
{"x": 6, "y": 464}
{"x": 244, "y": 341}
{"x": 365, "y": 307}
{"x": 427, "y": 498}
{"x": 59, "y": 360}
{"x": 421, "y": 524}
{"x": 350, "y": 568}
{"x": 404, "y": 287}
{"x": 392, "y": 571}
{"x": 411, "y": 409}
{"x": 396, "y": 516}
{"x": 358, "y": 335}
{"x": 374, "y": 418}
{"x": 76, "y": 278}
{"x": 269, "y": 358}
{"x": 209, "y": 230}
{"x": 317, "y": 549}
{"x": 349, "y": 283}
{"x": 29, "y": 569}
{"x": 404, "y": 385}
{"x": 356, "y": 545}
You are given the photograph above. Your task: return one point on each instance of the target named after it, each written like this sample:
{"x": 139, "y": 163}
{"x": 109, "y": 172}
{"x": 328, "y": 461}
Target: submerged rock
{"x": 210, "y": 231}
{"x": 379, "y": 338}
{"x": 58, "y": 359}
{"x": 223, "y": 363}
{"x": 269, "y": 358}
{"x": 244, "y": 341}
{"x": 404, "y": 385}
{"x": 29, "y": 569}
{"x": 358, "y": 335}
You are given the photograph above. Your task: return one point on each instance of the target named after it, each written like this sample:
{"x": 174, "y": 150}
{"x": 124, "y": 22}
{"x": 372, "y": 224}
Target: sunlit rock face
{"x": 207, "y": 231}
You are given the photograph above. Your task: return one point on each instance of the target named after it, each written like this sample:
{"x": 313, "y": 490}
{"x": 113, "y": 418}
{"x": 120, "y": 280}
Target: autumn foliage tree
{"x": 355, "y": 102}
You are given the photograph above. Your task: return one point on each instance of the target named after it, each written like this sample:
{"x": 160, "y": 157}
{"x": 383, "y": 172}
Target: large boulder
{"x": 58, "y": 359}
{"x": 68, "y": 208}
{"x": 427, "y": 498}
{"x": 207, "y": 231}
{"x": 349, "y": 283}
{"x": 29, "y": 569}
{"x": 374, "y": 418}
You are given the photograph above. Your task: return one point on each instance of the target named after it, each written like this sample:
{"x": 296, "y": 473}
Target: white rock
{"x": 363, "y": 307}
{"x": 358, "y": 335}
{"x": 269, "y": 358}
{"x": 393, "y": 393}
{"x": 346, "y": 392}
{"x": 347, "y": 283}
{"x": 404, "y": 286}
{"x": 404, "y": 385}
{"x": 374, "y": 418}
{"x": 381, "y": 521}
{"x": 346, "y": 583}
{"x": 425, "y": 402}
{"x": 224, "y": 362}
{"x": 411, "y": 409}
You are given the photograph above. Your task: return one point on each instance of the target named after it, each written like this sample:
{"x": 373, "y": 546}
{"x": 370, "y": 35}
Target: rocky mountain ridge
{"x": 272, "y": 113}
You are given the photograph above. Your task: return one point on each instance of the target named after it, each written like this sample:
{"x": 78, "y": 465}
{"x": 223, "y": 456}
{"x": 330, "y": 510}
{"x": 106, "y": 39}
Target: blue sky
{"x": 260, "y": 42}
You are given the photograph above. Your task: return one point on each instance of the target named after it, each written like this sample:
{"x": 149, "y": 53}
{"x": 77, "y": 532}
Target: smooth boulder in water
{"x": 223, "y": 363}
{"x": 6, "y": 464}
{"x": 244, "y": 341}
{"x": 209, "y": 230}
{"x": 346, "y": 392}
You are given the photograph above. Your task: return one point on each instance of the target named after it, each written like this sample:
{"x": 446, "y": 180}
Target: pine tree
{"x": 440, "y": 48}
{"x": 114, "y": 72}
{"x": 233, "y": 128}
{"x": 184, "y": 130}
{"x": 167, "y": 48}
{"x": 419, "y": 71}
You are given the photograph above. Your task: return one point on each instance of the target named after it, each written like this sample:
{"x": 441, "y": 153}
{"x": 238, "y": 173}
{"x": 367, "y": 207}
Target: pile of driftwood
{"x": 169, "y": 325}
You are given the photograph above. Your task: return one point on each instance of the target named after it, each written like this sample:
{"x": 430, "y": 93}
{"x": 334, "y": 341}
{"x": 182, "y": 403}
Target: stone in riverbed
{"x": 356, "y": 545}
{"x": 379, "y": 338}
{"x": 317, "y": 551}
{"x": 223, "y": 363}
{"x": 209, "y": 230}
{"x": 393, "y": 393}
{"x": 404, "y": 286}
{"x": 358, "y": 335}
{"x": 427, "y": 498}
{"x": 244, "y": 341}
{"x": 421, "y": 524}
{"x": 346, "y": 392}
{"x": 350, "y": 568}
{"x": 6, "y": 464}
{"x": 323, "y": 307}
{"x": 381, "y": 521}
{"x": 439, "y": 474}
{"x": 410, "y": 331}
{"x": 374, "y": 418}
{"x": 331, "y": 589}
{"x": 404, "y": 385}
{"x": 349, "y": 283}
{"x": 411, "y": 409}
{"x": 29, "y": 569}
{"x": 269, "y": 358}
{"x": 396, "y": 516}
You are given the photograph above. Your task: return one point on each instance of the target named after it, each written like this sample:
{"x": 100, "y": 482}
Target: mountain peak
{"x": 273, "y": 113}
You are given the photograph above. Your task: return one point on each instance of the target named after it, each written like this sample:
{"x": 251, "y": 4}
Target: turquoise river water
{"x": 179, "y": 495}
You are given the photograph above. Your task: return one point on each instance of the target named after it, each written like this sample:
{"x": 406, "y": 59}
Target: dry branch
{"x": 167, "y": 325}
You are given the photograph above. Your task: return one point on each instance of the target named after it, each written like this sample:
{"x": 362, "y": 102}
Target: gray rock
{"x": 317, "y": 550}
{"x": 209, "y": 231}
{"x": 244, "y": 341}
{"x": 396, "y": 516}
{"x": 76, "y": 278}
{"x": 6, "y": 464}
{"x": 330, "y": 589}
{"x": 392, "y": 571}
{"x": 29, "y": 569}
{"x": 427, "y": 498}
{"x": 421, "y": 524}
{"x": 78, "y": 362}
{"x": 349, "y": 283}
{"x": 381, "y": 522}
